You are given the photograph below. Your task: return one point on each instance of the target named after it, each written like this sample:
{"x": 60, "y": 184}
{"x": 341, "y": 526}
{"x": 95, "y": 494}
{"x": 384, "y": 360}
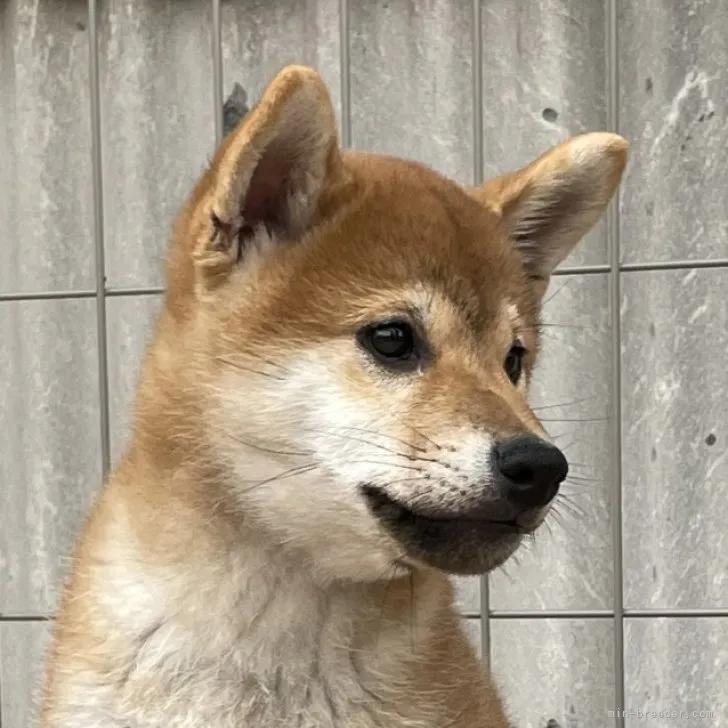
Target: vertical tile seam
{"x": 613, "y": 233}
{"x": 478, "y": 174}
{"x": 345, "y": 73}
{"x": 2, "y": 705}
{"x": 98, "y": 232}
{"x": 217, "y": 71}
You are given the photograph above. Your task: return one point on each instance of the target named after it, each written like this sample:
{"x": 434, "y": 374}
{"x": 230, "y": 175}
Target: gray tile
{"x": 473, "y": 631}
{"x": 675, "y": 672}
{"x": 543, "y": 80}
{"x": 129, "y": 324}
{"x": 673, "y": 74}
{"x": 260, "y": 37}
{"x": 46, "y": 208}
{"x": 675, "y": 437}
{"x": 569, "y": 563}
{"x": 411, "y": 81}
{"x": 158, "y": 128}
{"x": 467, "y": 594}
{"x": 558, "y": 670}
{"x": 22, "y": 649}
{"x": 50, "y": 453}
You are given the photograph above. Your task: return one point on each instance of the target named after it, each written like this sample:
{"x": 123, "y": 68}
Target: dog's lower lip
{"x": 403, "y": 512}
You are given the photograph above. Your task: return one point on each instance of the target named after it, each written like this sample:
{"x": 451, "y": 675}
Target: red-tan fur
{"x": 216, "y": 582}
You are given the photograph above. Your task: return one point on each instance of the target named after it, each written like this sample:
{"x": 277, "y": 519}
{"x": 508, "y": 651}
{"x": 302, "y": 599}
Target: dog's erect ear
{"x": 550, "y": 204}
{"x": 269, "y": 173}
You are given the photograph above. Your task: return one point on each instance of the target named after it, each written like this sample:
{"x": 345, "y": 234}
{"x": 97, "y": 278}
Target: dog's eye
{"x": 392, "y": 343}
{"x": 513, "y": 364}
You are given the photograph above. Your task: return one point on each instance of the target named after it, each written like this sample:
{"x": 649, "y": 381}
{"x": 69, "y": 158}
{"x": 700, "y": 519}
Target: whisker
{"x": 248, "y": 355}
{"x": 243, "y": 368}
{"x": 563, "y": 404}
{"x": 547, "y": 523}
{"x": 262, "y": 448}
{"x": 571, "y": 507}
{"x": 390, "y": 437}
{"x": 412, "y": 610}
{"x": 389, "y": 581}
{"x": 405, "y": 480}
{"x": 583, "y": 479}
{"x": 556, "y": 515}
{"x": 555, "y": 293}
{"x": 292, "y": 472}
{"x": 422, "y": 434}
{"x": 504, "y": 571}
{"x": 379, "y": 462}
{"x": 585, "y": 488}
{"x": 581, "y": 493}
{"x": 562, "y": 326}
{"x": 575, "y": 419}
{"x": 573, "y": 512}
{"x": 375, "y": 444}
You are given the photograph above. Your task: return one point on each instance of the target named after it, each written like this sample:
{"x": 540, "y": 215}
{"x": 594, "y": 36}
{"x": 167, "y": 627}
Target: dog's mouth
{"x": 456, "y": 543}
{"x": 387, "y": 508}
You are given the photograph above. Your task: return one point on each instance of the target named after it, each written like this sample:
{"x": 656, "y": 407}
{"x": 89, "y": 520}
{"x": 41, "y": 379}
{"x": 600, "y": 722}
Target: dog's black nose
{"x": 532, "y": 470}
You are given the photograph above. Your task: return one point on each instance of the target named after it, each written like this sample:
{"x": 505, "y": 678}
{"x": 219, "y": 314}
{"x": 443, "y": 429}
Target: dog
{"x": 331, "y": 420}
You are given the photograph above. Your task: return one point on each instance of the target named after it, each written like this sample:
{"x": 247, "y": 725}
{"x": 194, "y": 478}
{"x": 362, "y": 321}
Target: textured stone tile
{"x": 472, "y": 626}
{"x": 543, "y": 80}
{"x": 673, "y": 64}
{"x": 260, "y": 37}
{"x": 676, "y": 666}
{"x": 467, "y": 594}
{"x": 158, "y": 128}
{"x": 46, "y": 208}
{"x": 129, "y": 322}
{"x": 555, "y": 672}
{"x": 675, "y": 461}
{"x": 569, "y": 564}
{"x": 50, "y": 450}
{"x": 411, "y": 82}
{"x": 22, "y": 652}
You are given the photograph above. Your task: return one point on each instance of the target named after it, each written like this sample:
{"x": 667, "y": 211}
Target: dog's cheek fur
{"x": 303, "y": 484}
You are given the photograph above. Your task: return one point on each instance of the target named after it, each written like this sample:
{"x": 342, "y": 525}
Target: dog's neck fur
{"x": 260, "y": 636}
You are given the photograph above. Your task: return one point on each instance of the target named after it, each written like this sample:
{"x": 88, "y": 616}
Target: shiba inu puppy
{"x": 331, "y": 419}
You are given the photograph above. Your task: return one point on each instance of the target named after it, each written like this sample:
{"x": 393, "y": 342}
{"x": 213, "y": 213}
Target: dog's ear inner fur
{"x": 270, "y": 171}
{"x": 550, "y": 204}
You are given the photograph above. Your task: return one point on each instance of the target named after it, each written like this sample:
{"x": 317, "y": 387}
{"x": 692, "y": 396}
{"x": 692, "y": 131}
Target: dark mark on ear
{"x": 226, "y": 234}
{"x": 234, "y": 109}
{"x": 222, "y": 233}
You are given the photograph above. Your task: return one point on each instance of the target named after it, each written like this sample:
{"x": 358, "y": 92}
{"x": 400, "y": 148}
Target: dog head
{"x": 359, "y": 333}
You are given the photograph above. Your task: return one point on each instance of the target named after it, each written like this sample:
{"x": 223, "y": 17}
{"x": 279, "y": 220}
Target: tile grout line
{"x": 524, "y": 614}
{"x": 615, "y": 297}
{"x": 478, "y": 175}
{"x": 676, "y": 613}
{"x": 1, "y": 680}
{"x": 217, "y": 71}
{"x": 686, "y": 265}
{"x": 98, "y": 227}
{"x": 666, "y": 265}
{"x": 345, "y": 73}
{"x": 62, "y": 295}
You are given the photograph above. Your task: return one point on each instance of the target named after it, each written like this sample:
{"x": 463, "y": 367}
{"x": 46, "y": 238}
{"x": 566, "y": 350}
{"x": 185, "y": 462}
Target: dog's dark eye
{"x": 513, "y": 364}
{"x": 392, "y": 343}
